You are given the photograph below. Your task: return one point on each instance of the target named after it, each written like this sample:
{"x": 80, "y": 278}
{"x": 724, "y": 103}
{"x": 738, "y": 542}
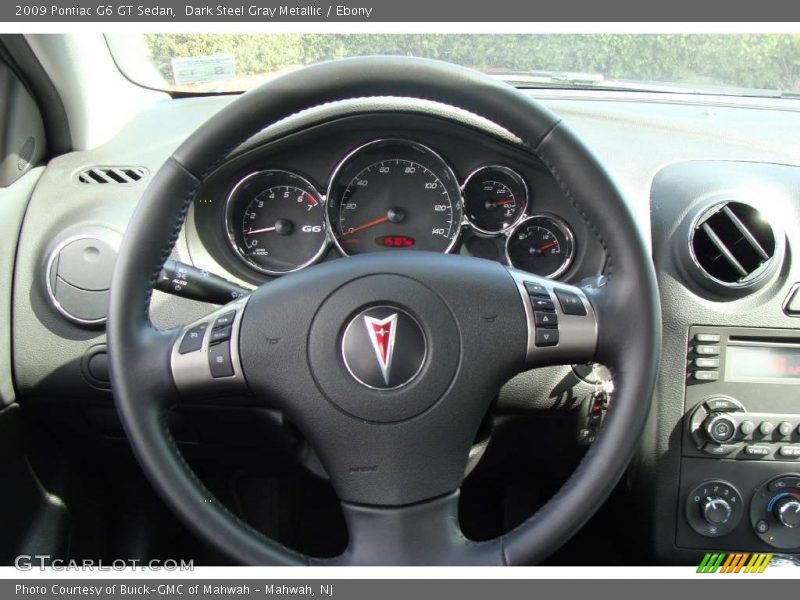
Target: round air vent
{"x": 733, "y": 246}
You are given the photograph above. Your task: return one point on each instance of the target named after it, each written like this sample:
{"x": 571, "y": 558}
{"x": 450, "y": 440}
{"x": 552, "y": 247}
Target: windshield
{"x": 747, "y": 65}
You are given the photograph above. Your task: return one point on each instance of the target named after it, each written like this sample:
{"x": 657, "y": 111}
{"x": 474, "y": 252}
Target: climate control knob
{"x": 787, "y": 511}
{"x": 720, "y": 427}
{"x": 715, "y": 510}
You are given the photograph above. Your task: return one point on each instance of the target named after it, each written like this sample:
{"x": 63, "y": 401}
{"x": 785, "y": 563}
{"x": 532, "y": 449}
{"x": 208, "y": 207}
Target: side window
{"x": 22, "y": 134}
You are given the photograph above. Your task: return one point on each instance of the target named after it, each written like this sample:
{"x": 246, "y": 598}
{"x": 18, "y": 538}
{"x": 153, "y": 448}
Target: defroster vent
{"x": 111, "y": 175}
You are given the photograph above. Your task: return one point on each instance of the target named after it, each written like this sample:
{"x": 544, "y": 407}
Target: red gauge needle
{"x": 504, "y": 202}
{"x": 367, "y": 225}
{"x": 264, "y": 230}
{"x": 552, "y": 244}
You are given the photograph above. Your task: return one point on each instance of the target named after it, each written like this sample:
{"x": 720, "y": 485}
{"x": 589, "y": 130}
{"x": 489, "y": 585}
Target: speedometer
{"x": 394, "y": 195}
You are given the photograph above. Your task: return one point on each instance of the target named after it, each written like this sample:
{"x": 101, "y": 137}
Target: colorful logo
{"x": 738, "y": 562}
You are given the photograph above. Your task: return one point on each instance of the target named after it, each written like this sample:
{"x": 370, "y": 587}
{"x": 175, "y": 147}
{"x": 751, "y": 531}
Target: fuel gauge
{"x": 494, "y": 199}
{"x": 542, "y": 245}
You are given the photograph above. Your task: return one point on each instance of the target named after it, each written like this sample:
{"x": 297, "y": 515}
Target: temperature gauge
{"x": 542, "y": 245}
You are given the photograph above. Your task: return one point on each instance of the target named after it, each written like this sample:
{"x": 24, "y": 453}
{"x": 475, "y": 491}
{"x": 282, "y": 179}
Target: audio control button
{"x": 706, "y": 375}
{"x": 765, "y": 428}
{"x": 707, "y": 338}
{"x": 747, "y": 427}
{"x": 719, "y": 449}
{"x": 785, "y": 429}
{"x": 721, "y": 428}
{"x": 757, "y": 450}
{"x": 721, "y": 403}
{"x": 706, "y": 363}
{"x": 707, "y": 350}
{"x": 790, "y": 451}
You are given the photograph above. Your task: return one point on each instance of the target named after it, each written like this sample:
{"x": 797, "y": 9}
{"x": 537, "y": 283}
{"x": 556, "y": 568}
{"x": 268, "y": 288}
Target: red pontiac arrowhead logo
{"x": 382, "y": 333}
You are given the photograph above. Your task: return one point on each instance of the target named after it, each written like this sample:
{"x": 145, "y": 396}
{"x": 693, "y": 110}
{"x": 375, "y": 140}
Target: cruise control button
{"x": 536, "y": 289}
{"x": 546, "y": 337}
{"x": 706, "y": 375}
{"x": 220, "y": 334}
{"x": 545, "y": 319}
{"x": 225, "y": 319}
{"x": 757, "y": 450}
{"x": 706, "y": 363}
{"x": 707, "y": 338}
{"x": 193, "y": 339}
{"x": 570, "y": 303}
{"x": 707, "y": 350}
{"x": 790, "y": 451}
{"x": 542, "y": 304}
{"x": 219, "y": 360}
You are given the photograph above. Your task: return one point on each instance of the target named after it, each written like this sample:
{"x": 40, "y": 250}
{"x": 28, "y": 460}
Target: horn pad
{"x": 384, "y": 348}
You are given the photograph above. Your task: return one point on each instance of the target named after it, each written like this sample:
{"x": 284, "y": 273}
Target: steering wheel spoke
{"x": 205, "y": 355}
{"x": 561, "y": 320}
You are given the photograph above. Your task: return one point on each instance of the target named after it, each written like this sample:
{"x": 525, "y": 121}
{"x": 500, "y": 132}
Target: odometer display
{"x": 394, "y": 195}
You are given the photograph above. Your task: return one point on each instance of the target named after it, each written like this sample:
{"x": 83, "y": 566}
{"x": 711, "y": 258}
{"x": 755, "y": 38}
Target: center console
{"x": 740, "y": 466}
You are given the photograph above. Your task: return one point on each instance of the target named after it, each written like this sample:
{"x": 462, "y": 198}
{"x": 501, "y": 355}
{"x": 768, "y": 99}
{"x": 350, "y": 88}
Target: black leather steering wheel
{"x": 396, "y": 457}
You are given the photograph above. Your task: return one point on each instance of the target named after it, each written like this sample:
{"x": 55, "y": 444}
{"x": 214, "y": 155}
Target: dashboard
{"x": 386, "y": 176}
{"x": 387, "y": 183}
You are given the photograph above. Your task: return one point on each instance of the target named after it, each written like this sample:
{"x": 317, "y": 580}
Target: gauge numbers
{"x": 276, "y": 222}
{"x": 542, "y": 245}
{"x": 495, "y": 199}
{"x": 394, "y": 195}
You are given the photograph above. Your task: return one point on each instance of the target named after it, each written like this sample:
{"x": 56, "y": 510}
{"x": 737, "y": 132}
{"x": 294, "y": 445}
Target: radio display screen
{"x": 763, "y": 364}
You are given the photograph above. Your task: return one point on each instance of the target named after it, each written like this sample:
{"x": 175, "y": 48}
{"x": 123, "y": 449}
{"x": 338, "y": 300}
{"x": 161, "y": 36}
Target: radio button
{"x": 757, "y": 450}
{"x": 765, "y": 428}
{"x": 721, "y": 428}
{"x": 706, "y": 363}
{"x": 707, "y": 350}
{"x": 747, "y": 427}
{"x": 706, "y": 375}
{"x": 721, "y": 403}
{"x": 790, "y": 451}
{"x": 707, "y": 338}
{"x": 785, "y": 429}
{"x": 719, "y": 449}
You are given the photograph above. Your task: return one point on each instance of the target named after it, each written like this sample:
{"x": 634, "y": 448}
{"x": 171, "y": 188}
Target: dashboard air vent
{"x": 733, "y": 244}
{"x": 100, "y": 175}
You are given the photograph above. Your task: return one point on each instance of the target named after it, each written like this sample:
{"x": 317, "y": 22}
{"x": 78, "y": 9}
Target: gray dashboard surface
{"x": 635, "y": 137}
{"x": 634, "y": 140}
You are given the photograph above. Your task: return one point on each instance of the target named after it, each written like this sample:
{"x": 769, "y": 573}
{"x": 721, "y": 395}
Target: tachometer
{"x": 276, "y": 222}
{"x": 394, "y": 195}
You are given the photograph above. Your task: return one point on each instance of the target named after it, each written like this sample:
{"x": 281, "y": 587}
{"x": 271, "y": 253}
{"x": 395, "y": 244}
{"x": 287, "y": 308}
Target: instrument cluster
{"x": 393, "y": 195}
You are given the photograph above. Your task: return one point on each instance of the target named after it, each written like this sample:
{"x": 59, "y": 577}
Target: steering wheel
{"x": 387, "y": 362}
